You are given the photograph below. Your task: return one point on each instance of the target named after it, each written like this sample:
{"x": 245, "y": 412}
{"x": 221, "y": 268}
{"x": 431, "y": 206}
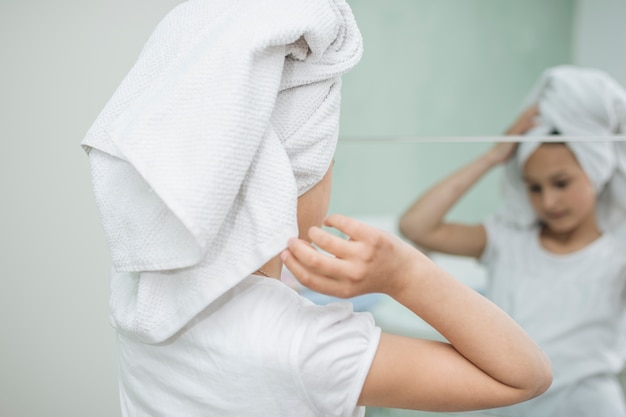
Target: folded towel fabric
{"x": 230, "y": 113}
{"x": 578, "y": 101}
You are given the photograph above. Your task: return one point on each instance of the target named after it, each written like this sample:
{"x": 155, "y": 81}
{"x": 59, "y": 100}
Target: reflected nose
{"x": 549, "y": 199}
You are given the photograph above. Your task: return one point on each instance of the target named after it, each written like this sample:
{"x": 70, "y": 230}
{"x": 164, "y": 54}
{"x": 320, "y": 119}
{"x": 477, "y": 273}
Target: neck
{"x": 570, "y": 240}
{"x": 272, "y": 268}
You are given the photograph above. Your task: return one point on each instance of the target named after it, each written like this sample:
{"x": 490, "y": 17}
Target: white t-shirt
{"x": 572, "y": 305}
{"x": 259, "y": 350}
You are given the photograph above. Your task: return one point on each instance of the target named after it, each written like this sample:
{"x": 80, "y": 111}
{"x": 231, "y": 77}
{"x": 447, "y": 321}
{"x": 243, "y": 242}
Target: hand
{"x": 369, "y": 261}
{"x": 501, "y": 152}
{"x": 524, "y": 122}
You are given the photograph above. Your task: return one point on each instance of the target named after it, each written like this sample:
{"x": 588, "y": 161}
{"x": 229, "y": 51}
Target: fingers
{"x": 335, "y": 245}
{"x": 533, "y": 110}
{"x": 316, "y": 262}
{"x": 528, "y": 118}
{"x": 315, "y": 270}
{"x": 350, "y": 227}
{"x": 525, "y": 121}
{"x": 349, "y": 267}
{"x": 502, "y": 151}
{"x": 305, "y": 276}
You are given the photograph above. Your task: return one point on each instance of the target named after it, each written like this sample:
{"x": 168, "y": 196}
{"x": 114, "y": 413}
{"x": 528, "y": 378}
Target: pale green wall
{"x": 382, "y": 179}
{"x": 450, "y": 67}
{"x": 435, "y": 68}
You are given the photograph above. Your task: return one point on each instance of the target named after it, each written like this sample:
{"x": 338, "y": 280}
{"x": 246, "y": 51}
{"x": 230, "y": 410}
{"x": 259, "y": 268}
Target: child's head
{"x": 559, "y": 190}
{"x": 546, "y": 180}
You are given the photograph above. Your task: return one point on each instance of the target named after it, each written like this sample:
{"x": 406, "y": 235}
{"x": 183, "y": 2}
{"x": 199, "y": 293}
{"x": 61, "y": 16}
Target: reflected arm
{"x": 423, "y": 223}
{"x": 490, "y": 361}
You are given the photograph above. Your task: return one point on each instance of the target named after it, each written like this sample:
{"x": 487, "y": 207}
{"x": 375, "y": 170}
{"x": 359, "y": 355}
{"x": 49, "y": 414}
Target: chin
{"x": 562, "y": 226}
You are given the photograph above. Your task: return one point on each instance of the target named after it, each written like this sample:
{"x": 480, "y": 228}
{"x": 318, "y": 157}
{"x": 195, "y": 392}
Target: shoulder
{"x": 501, "y": 230}
{"x": 619, "y": 243}
{"x": 504, "y": 238}
{"x": 272, "y": 305}
{"x": 612, "y": 248}
{"x": 328, "y": 348}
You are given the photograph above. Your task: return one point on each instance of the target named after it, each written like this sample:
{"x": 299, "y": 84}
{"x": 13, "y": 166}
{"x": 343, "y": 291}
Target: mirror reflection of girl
{"x": 552, "y": 264}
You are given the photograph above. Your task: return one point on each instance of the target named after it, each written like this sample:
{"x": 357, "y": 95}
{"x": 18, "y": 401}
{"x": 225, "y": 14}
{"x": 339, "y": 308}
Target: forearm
{"x": 476, "y": 328}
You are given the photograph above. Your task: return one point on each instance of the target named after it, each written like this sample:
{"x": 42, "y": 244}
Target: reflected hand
{"x": 524, "y": 122}
{"x": 501, "y": 152}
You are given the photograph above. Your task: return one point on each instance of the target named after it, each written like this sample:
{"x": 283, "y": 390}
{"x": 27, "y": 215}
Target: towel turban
{"x": 575, "y": 101}
{"x": 230, "y": 113}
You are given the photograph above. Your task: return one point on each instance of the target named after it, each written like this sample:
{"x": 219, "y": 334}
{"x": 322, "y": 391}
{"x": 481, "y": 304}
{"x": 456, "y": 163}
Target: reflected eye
{"x": 534, "y": 188}
{"x": 561, "y": 183}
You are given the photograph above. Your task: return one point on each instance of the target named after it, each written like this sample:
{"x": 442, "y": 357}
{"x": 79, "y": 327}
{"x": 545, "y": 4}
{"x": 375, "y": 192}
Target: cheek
{"x": 583, "y": 197}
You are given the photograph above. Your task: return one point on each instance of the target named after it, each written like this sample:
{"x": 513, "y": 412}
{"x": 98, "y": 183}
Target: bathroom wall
{"x": 382, "y": 178}
{"x": 61, "y": 61}
{"x": 449, "y": 67}
{"x": 433, "y": 71}
{"x": 598, "y": 28}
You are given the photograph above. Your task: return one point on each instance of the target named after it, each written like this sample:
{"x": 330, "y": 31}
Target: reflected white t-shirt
{"x": 572, "y": 305}
{"x": 259, "y": 350}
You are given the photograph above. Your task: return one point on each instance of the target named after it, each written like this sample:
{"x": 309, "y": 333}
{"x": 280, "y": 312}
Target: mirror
{"x": 376, "y": 181}
{"x": 449, "y": 68}
{"x": 388, "y": 175}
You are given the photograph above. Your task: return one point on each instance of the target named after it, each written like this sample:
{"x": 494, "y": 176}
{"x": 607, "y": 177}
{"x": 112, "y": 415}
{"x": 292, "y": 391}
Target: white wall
{"x": 61, "y": 61}
{"x": 600, "y": 36}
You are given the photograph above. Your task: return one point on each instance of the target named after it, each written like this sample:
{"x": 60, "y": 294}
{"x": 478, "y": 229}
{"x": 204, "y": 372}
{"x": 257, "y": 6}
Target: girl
{"x": 552, "y": 265}
{"x": 552, "y": 261}
{"x": 216, "y": 149}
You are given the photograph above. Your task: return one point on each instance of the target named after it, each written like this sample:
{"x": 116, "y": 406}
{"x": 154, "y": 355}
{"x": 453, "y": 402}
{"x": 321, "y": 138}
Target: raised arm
{"x": 423, "y": 223}
{"x": 524, "y": 122}
{"x": 489, "y": 362}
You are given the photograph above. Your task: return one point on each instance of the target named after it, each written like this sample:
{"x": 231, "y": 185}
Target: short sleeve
{"x": 333, "y": 354}
{"x": 494, "y": 232}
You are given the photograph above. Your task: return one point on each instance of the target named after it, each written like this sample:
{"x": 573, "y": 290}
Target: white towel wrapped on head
{"x": 578, "y": 101}
{"x": 230, "y": 113}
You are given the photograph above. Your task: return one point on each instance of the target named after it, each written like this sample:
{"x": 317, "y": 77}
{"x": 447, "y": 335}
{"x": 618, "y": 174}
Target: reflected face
{"x": 560, "y": 192}
{"x": 313, "y": 205}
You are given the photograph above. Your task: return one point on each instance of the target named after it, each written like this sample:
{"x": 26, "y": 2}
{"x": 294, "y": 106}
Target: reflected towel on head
{"x": 230, "y": 113}
{"x": 577, "y": 101}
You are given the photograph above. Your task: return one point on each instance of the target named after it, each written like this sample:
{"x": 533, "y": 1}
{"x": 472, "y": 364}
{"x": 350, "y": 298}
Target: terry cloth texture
{"x": 578, "y": 101}
{"x": 230, "y": 113}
